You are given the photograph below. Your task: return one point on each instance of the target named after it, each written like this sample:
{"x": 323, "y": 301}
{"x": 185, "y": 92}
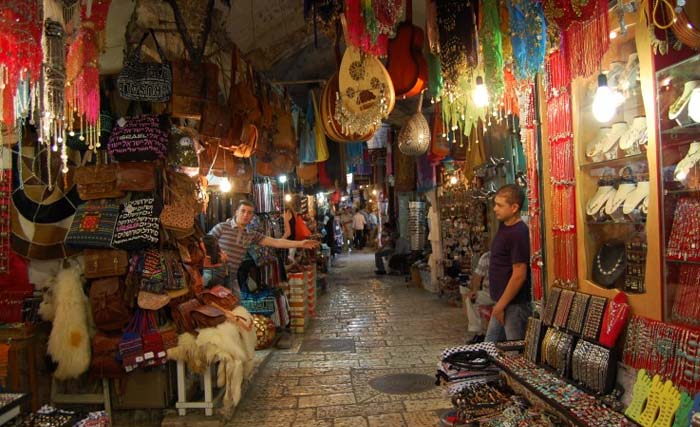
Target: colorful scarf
{"x": 528, "y": 37}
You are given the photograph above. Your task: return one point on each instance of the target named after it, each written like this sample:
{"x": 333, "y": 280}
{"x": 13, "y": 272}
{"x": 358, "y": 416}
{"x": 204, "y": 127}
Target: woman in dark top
{"x": 290, "y": 222}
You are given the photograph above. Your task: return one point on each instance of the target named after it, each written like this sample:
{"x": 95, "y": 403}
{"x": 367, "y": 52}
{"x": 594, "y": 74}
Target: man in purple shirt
{"x": 509, "y": 268}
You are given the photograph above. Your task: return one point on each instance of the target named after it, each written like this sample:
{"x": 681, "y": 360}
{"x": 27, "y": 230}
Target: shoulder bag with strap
{"x": 146, "y": 81}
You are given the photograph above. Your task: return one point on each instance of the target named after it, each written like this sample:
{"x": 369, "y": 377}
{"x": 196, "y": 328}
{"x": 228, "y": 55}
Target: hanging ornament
{"x": 459, "y": 41}
{"x": 20, "y": 55}
{"x": 370, "y": 24}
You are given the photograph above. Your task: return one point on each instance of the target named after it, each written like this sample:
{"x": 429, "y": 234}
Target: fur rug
{"x": 229, "y": 346}
{"x": 69, "y": 341}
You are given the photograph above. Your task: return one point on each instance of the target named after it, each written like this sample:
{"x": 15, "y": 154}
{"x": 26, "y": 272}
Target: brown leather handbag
{"x": 97, "y": 182}
{"x": 283, "y": 161}
{"x": 249, "y": 142}
{"x": 109, "y": 310}
{"x": 263, "y": 166}
{"x": 136, "y": 176}
{"x": 216, "y": 120}
{"x": 243, "y": 101}
{"x": 182, "y": 315}
{"x": 104, "y": 363}
{"x": 307, "y": 173}
{"x": 284, "y": 138}
{"x": 207, "y": 316}
{"x": 193, "y": 86}
{"x": 105, "y": 263}
{"x": 220, "y": 297}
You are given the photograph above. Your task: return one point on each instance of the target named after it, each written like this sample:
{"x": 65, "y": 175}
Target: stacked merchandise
{"x": 418, "y": 214}
{"x": 298, "y": 310}
{"x": 310, "y": 278}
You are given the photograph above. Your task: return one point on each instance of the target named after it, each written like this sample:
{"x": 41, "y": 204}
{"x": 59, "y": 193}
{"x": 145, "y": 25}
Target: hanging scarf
{"x": 20, "y": 55}
{"x": 528, "y": 37}
{"x": 504, "y": 21}
{"x": 435, "y": 82}
{"x": 492, "y": 50}
{"x": 459, "y": 41}
{"x": 370, "y": 23}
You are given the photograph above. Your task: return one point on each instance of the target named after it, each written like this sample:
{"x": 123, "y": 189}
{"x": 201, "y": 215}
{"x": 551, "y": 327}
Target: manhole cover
{"x": 329, "y": 345}
{"x": 402, "y": 383}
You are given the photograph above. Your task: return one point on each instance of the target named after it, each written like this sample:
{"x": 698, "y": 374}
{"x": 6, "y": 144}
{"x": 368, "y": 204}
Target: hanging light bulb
{"x": 374, "y": 192}
{"x": 225, "y": 185}
{"x": 287, "y": 197}
{"x": 694, "y": 105}
{"x": 282, "y": 179}
{"x": 480, "y": 95}
{"x": 453, "y": 180}
{"x": 605, "y": 101}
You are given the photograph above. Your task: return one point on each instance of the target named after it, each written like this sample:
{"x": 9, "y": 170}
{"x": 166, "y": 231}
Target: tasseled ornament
{"x": 20, "y": 51}
{"x": 83, "y": 84}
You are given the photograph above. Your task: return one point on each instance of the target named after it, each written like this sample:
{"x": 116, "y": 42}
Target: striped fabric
{"x": 234, "y": 241}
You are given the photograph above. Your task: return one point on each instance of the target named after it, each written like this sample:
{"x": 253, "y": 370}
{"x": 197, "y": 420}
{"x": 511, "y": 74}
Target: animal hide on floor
{"x": 69, "y": 341}
{"x": 229, "y": 344}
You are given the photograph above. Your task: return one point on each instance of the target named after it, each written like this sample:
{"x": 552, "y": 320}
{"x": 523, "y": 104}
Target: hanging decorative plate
{"x": 330, "y": 119}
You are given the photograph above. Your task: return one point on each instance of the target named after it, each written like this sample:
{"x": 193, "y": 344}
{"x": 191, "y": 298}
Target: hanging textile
{"x": 504, "y": 23}
{"x": 459, "y": 41}
{"x": 491, "y": 45}
{"x": 528, "y": 37}
{"x": 585, "y": 29}
{"x": 557, "y": 81}
{"x": 435, "y": 81}
{"x": 370, "y": 24}
{"x": 20, "y": 56}
{"x": 353, "y": 153}
{"x": 425, "y": 173}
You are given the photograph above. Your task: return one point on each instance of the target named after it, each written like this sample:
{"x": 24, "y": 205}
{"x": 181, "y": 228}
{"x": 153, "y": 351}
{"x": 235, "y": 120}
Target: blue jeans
{"x": 515, "y": 324}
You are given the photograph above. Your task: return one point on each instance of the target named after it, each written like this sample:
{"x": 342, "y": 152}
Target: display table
{"x": 11, "y": 406}
{"x": 571, "y": 403}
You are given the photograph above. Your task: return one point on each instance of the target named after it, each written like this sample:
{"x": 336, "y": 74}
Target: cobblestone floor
{"x": 395, "y": 328}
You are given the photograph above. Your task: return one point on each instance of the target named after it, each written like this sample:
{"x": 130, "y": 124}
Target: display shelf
{"x": 682, "y": 261}
{"x": 620, "y": 161}
{"x": 615, "y": 418}
{"x": 683, "y": 191}
{"x": 676, "y": 133}
{"x": 616, "y": 223}
{"x": 691, "y": 129}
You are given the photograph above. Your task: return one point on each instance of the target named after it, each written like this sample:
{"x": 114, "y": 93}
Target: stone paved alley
{"x": 394, "y": 328}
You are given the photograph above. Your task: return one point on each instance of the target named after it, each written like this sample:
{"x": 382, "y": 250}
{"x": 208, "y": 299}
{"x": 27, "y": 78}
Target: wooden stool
{"x": 84, "y": 398}
{"x": 182, "y": 404}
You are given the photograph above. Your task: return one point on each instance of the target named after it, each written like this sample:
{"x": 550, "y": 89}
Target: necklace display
{"x": 686, "y": 303}
{"x": 561, "y": 144}
{"x": 609, "y": 264}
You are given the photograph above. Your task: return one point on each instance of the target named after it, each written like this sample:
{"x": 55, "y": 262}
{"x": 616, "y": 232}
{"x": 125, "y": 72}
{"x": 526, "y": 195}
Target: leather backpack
{"x": 109, "y": 310}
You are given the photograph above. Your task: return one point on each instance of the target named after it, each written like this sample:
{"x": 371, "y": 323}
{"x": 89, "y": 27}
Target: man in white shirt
{"x": 358, "y": 224}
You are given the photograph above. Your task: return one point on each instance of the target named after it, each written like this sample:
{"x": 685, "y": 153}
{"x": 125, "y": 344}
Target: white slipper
{"x": 623, "y": 190}
{"x": 599, "y": 199}
{"x": 692, "y": 157}
{"x": 636, "y": 197}
{"x": 679, "y": 104}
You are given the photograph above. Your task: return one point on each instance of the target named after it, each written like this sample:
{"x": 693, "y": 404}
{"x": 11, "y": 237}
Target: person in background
{"x": 373, "y": 227}
{"x": 478, "y": 298}
{"x": 509, "y": 268}
{"x": 348, "y": 231}
{"x": 358, "y": 226}
{"x": 234, "y": 239}
{"x": 385, "y": 249}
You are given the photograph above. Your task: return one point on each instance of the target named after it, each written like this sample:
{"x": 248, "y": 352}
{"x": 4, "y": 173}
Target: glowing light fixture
{"x": 453, "y": 180}
{"x": 282, "y": 179}
{"x": 225, "y": 185}
{"x": 480, "y": 95}
{"x": 613, "y": 35}
{"x": 287, "y": 197}
{"x": 694, "y": 105}
{"x": 605, "y": 101}
{"x": 348, "y": 178}
{"x": 374, "y": 192}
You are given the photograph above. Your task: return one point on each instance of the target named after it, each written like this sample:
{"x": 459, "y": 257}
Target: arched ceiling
{"x": 271, "y": 34}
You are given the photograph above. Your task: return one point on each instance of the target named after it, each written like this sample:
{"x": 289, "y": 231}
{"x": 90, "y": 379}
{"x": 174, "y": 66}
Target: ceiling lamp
{"x": 480, "y": 95}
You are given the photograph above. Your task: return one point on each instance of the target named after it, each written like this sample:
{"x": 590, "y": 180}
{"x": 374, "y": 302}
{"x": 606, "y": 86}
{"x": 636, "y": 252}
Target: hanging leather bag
{"x": 249, "y": 142}
{"x": 194, "y": 86}
{"x": 109, "y": 310}
{"x": 136, "y": 176}
{"x": 97, "y": 182}
{"x": 146, "y": 81}
{"x": 105, "y": 263}
{"x": 139, "y": 138}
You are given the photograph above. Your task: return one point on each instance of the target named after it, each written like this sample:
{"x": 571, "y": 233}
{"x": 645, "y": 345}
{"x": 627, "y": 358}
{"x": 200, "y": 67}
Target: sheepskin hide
{"x": 69, "y": 341}
{"x": 229, "y": 344}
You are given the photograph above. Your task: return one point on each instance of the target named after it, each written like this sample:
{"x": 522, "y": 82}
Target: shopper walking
{"x": 509, "y": 271}
{"x": 358, "y": 225}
